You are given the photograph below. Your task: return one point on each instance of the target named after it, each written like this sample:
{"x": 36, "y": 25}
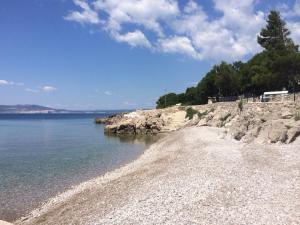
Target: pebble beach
{"x": 197, "y": 175}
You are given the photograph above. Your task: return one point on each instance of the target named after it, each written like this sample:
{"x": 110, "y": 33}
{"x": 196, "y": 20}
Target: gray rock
{"x": 277, "y": 132}
{"x": 287, "y": 114}
{"x": 238, "y": 134}
{"x": 126, "y": 128}
{"x": 292, "y": 134}
{"x": 202, "y": 122}
{"x": 111, "y": 129}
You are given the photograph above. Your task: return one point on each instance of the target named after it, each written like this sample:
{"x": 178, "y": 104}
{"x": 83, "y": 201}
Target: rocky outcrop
{"x": 5, "y": 223}
{"x": 101, "y": 120}
{"x": 261, "y": 122}
{"x": 111, "y": 119}
{"x": 293, "y": 133}
{"x": 148, "y": 122}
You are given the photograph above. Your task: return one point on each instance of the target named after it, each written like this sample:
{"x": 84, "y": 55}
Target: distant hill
{"x": 37, "y": 109}
{"x": 28, "y": 109}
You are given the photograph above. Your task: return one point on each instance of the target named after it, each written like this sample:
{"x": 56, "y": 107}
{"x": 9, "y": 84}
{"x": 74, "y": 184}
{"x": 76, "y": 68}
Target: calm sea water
{"x": 42, "y": 155}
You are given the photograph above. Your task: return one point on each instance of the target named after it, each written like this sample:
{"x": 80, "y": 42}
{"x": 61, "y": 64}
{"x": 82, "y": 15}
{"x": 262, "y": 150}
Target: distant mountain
{"x": 28, "y": 109}
{"x": 37, "y": 109}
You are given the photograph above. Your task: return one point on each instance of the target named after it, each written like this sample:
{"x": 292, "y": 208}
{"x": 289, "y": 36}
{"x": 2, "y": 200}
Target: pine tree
{"x": 276, "y": 36}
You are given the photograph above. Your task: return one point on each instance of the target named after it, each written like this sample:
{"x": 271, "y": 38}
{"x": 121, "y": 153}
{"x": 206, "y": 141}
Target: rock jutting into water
{"x": 109, "y": 120}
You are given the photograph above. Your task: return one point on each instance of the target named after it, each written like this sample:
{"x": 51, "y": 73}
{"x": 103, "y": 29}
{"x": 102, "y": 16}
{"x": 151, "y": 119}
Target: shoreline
{"x": 53, "y": 166}
{"x": 116, "y": 173}
{"x": 187, "y": 178}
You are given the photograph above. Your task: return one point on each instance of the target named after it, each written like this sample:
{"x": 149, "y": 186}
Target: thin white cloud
{"x": 31, "y": 90}
{"x": 48, "y": 88}
{"x": 297, "y": 8}
{"x": 129, "y": 103}
{"x": 107, "y": 93}
{"x": 4, "y": 82}
{"x": 191, "y": 7}
{"x": 186, "y": 30}
{"x": 136, "y": 38}
{"x": 179, "y": 45}
{"x": 147, "y": 13}
{"x": 87, "y": 15}
{"x": 295, "y": 27}
{"x": 292, "y": 16}
{"x": 290, "y": 12}
{"x": 227, "y": 37}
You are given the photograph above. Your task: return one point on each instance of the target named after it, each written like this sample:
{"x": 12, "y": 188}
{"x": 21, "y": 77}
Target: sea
{"x": 42, "y": 155}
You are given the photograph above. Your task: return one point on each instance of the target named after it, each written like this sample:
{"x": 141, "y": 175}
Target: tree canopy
{"x": 275, "y": 68}
{"x": 276, "y": 36}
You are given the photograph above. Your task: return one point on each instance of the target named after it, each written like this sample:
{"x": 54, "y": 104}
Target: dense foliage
{"x": 277, "y": 67}
{"x": 190, "y": 112}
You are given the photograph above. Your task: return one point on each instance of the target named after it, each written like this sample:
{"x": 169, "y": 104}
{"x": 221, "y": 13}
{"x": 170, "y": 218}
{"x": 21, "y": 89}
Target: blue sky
{"x": 122, "y": 54}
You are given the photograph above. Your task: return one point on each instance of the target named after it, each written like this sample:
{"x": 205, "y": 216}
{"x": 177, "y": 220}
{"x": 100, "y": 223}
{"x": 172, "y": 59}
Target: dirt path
{"x": 193, "y": 176}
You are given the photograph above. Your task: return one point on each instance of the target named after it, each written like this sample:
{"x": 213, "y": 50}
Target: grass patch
{"x": 222, "y": 124}
{"x": 288, "y": 127}
{"x": 201, "y": 115}
{"x": 241, "y": 105}
{"x": 190, "y": 112}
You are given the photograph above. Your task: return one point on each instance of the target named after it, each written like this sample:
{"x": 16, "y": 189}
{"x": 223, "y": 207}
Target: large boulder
{"x": 292, "y": 134}
{"x": 277, "y": 132}
{"x": 111, "y": 129}
{"x": 287, "y": 114}
{"x": 238, "y": 134}
{"x": 202, "y": 122}
{"x": 239, "y": 128}
{"x": 126, "y": 128}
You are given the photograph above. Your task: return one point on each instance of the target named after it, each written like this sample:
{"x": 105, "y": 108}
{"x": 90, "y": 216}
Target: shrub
{"x": 297, "y": 116}
{"x": 222, "y": 124}
{"x": 241, "y": 105}
{"x": 288, "y": 127}
{"x": 190, "y": 112}
{"x": 201, "y": 115}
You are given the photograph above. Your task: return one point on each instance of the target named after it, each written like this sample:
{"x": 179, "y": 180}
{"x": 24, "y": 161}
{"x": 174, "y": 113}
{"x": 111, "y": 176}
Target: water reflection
{"x": 136, "y": 139}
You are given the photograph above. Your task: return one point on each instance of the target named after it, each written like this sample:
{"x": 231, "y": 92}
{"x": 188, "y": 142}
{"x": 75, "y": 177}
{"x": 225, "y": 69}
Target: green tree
{"x": 276, "y": 36}
{"x": 278, "y": 66}
{"x": 207, "y": 88}
{"x": 167, "y": 100}
{"x": 191, "y": 94}
{"x": 181, "y": 98}
{"x": 258, "y": 74}
{"x": 287, "y": 69}
{"x": 226, "y": 79}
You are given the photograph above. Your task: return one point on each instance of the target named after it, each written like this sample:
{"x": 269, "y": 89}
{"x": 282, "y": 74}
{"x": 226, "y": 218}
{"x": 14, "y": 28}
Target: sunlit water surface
{"x": 42, "y": 155}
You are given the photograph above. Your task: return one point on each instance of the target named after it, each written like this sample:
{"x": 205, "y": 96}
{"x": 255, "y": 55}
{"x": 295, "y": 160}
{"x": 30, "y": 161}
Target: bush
{"x": 297, "y": 116}
{"x": 241, "y": 105}
{"x": 201, "y": 115}
{"x": 190, "y": 112}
